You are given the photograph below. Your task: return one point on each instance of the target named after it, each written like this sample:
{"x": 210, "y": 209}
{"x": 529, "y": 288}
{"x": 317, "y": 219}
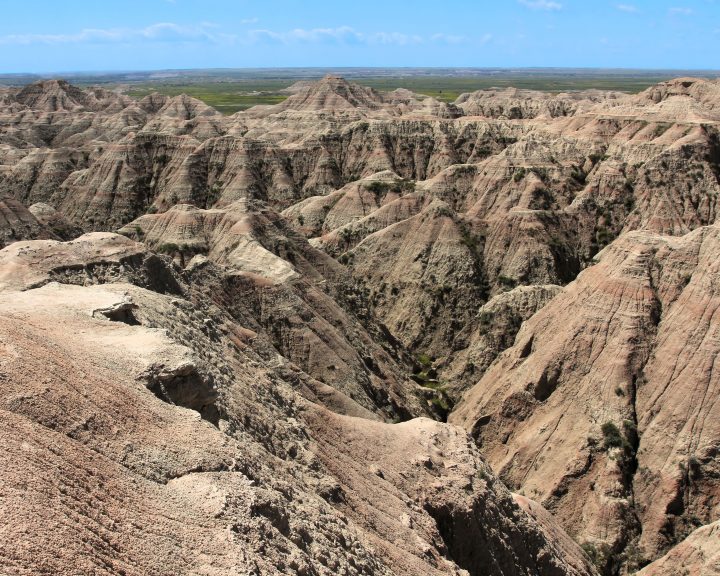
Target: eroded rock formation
{"x": 299, "y": 290}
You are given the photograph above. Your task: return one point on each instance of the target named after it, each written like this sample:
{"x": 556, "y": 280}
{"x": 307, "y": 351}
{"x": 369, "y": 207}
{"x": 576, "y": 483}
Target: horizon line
{"x": 99, "y": 72}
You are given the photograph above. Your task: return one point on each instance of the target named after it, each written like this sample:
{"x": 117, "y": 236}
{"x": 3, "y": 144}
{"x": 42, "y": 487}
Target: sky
{"x": 48, "y": 36}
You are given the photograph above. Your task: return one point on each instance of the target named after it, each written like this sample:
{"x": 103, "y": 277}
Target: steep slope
{"x": 601, "y": 410}
{"x": 417, "y": 241}
{"x": 331, "y": 94}
{"x": 515, "y": 104}
{"x": 19, "y": 223}
{"x": 698, "y": 554}
{"x": 274, "y": 282}
{"x": 143, "y": 434}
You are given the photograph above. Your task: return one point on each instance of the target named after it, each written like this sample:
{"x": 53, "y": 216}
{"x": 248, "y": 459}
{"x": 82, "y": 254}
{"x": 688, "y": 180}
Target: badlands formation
{"x": 360, "y": 333}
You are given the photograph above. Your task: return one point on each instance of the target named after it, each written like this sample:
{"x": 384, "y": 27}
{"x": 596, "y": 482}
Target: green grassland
{"x": 232, "y": 94}
{"x": 226, "y": 97}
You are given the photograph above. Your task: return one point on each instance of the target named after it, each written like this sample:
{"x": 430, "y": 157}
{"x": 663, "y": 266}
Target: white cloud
{"x": 159, "y": 32}
{"x": 208, "y": 32}
{"x": 249, "y": 20}
{"x": 348, "y": 35}
{"x": 681, "y": 11}
{"x": 448, "y": 39}
{"x": 340, "y": 34}
{"x": 541, "y": 4}
{"x": 630, "y": 8}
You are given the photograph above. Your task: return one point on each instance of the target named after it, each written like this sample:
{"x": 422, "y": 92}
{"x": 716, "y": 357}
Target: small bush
{"x": 424, "y": 360}
{"x": 506, "y": 281}
{"x": 611, "y": 435}
{"x": 168, "y": 248}
{"x": 378, "y": 187}
{"x": 486, "y": 318}
{"x": 599, "y": 555}
{"x": 519, "y": 174}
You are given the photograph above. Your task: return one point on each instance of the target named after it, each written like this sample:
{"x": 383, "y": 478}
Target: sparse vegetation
{"x": 168, "y": 248}
{"x": 230, "y": 94}
{"x": 599, "y": 555}
{"x": 507, "y": 282}
{"x": 379, "y": 187}
{"x": 612, "y": 438}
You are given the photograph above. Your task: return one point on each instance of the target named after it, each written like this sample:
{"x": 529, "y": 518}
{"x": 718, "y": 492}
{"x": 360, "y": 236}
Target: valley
{"x": 362, "y": 326}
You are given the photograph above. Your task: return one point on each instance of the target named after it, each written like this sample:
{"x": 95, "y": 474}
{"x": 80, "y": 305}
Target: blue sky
{"x": 77, "y": 35}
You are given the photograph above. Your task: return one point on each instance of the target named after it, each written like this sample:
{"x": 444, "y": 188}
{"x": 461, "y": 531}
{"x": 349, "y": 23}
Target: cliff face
{"x": 298, "y": 288}
{"x": 602, "y": 408}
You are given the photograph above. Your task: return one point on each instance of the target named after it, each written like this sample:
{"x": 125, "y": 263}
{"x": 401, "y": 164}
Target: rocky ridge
{"x": 161, "y": 440}
{"x": 526, "y": 265}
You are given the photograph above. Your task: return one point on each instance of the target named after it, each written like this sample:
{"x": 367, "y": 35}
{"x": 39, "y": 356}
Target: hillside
{"x": 360, "y": 332}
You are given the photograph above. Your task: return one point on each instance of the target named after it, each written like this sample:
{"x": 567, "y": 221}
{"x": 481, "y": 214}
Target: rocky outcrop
{"x": 53, "y": 220}
{"x": 19, "y": 223}
{"x": 697, "y": 554}
{"x": 381, "y": 256}
{"x": 601, "y": 408}
{"x": 276, "y": 283}
{"x": 143, "y": 432}
{"x": 515, "y": 104}
{"x": 490, "y": 332}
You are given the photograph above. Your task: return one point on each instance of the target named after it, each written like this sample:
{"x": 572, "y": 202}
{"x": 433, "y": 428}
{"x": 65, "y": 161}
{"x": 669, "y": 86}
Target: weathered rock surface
{"x": 699, "y": 553}
{"x": 371, "y": 255}
{"x": 491, "y": 332}
{"x": 515, "y": 104}
{"x": 274, "y": 282}
{"x": 142, "y": 433}
{"x": 602, "y": 409}
{"x": 19, "y": 223}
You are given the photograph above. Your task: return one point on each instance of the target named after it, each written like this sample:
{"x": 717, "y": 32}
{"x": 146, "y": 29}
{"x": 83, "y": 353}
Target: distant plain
{"x": 230, "y": 91}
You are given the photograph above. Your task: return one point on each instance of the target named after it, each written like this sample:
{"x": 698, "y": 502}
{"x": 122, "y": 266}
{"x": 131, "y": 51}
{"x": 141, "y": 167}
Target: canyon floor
{"x": 360, "y": 332}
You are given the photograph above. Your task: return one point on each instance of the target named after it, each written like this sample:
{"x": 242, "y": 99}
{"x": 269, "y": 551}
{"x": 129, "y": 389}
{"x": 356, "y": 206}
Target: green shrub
{"x": 519, "y": 174}
{"x": 168, "y": 248}
{"x": 612, "y": 436}
{"x": 599, "y": 555}
{"x": 485, "y": 318}
{"x": 378, "y": 187}
{"x": 507, "y": 282}
{"x": 424, "y": 360}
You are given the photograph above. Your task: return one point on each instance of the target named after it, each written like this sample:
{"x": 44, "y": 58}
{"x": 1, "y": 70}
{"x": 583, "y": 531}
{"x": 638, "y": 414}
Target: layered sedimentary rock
{"x": 698, "y": 554}
{"x": 348, "y": 259}
{"x": 602, "y": 410}
{"x": 19, "y": 223}
{"x": 144, "y": 432}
